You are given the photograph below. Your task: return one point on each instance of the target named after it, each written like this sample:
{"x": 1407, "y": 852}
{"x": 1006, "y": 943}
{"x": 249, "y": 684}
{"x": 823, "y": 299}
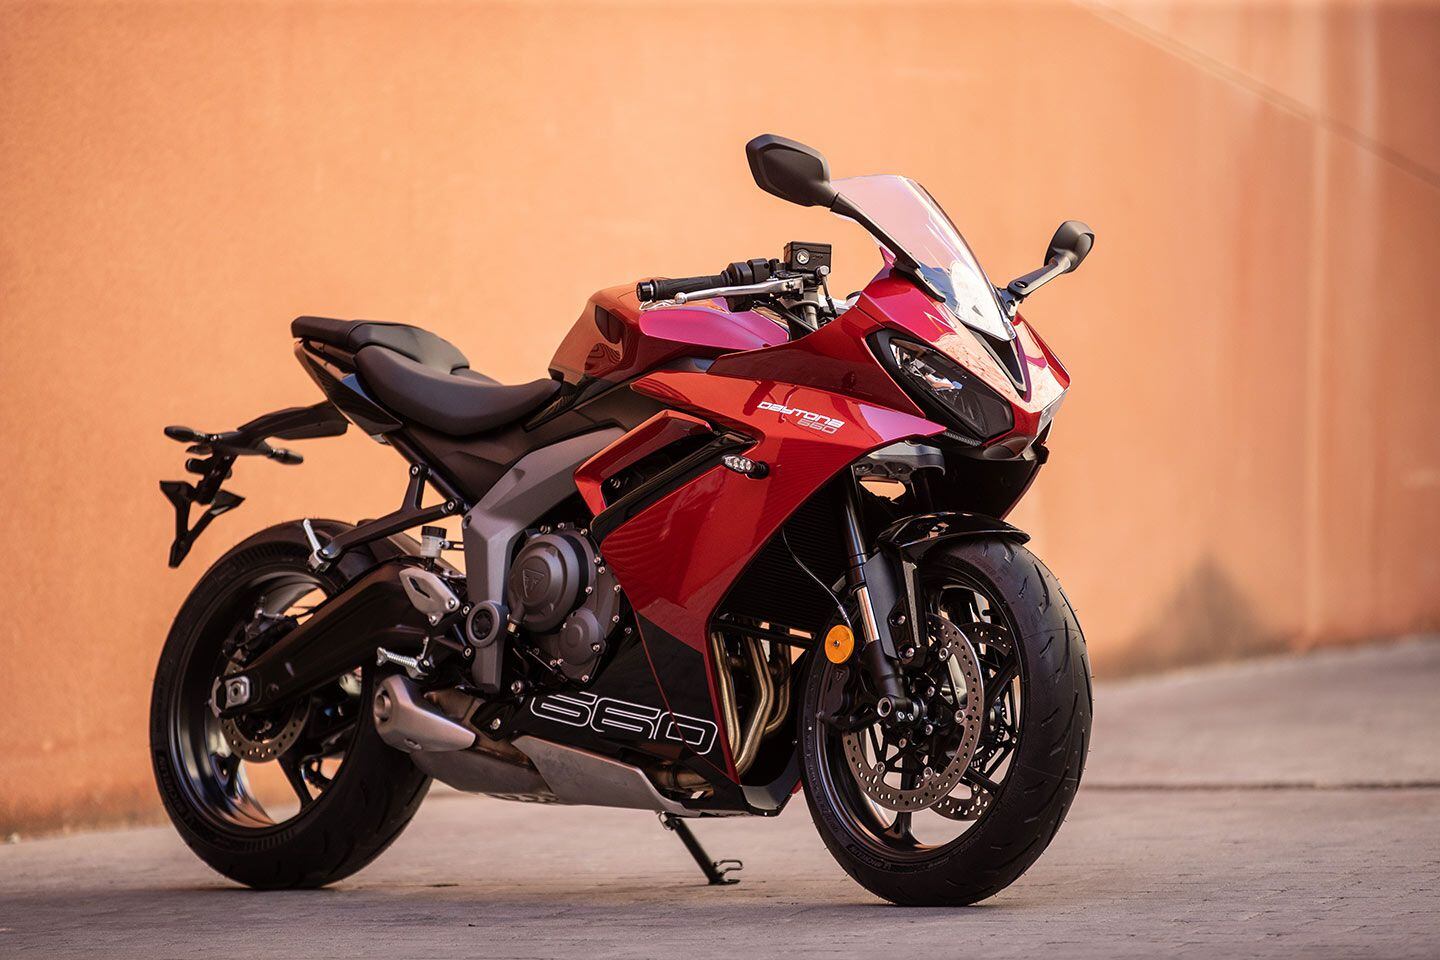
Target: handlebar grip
{"x": 648, "y": 290}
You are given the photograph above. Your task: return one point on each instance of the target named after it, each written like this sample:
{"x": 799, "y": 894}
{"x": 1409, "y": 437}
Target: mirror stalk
{"x": 1021, "y": 287}
{"x": 1068, "y": 248}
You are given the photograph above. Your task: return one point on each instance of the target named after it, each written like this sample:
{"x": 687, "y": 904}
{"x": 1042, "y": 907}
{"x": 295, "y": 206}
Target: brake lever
{"x": 780, "y": 285}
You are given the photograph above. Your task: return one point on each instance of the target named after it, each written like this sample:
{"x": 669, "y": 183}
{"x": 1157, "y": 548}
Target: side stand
{"x": 715, "y": 870}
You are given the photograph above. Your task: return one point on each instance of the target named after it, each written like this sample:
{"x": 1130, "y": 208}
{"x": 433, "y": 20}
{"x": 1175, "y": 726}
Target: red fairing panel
{"x": 678, "y": 557}
{"x": 900, "y": 305}
{"x": 664, "y": 428}
{"x": 834, "y": 358}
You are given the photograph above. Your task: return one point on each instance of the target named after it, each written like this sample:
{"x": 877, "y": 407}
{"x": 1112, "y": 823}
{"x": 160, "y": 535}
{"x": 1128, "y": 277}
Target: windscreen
{"x": 914, "y": 222}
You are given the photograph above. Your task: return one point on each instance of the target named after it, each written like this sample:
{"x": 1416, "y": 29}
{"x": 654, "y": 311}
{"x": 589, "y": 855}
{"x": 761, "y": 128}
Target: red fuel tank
{"x": 615, "y": 340}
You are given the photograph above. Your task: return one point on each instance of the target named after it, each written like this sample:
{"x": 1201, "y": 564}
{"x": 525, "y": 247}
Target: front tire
{"x": 347, "y": 814}
{"x": 1048, "y": 742}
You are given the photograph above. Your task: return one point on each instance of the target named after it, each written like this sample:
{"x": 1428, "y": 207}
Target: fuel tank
{"x": 614, "y": 340}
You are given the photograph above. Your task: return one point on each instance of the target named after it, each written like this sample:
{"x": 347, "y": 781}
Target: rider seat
{"x": 424, "y": 377}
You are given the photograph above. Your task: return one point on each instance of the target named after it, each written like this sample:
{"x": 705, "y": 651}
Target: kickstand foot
{"x": 715, "y": 870}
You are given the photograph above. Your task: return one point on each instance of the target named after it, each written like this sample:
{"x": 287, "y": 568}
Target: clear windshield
{"x": 913, "y": 221}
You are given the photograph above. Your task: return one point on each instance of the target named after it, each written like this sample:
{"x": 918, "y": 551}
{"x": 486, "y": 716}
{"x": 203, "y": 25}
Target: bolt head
{"x": 495, "y": 724}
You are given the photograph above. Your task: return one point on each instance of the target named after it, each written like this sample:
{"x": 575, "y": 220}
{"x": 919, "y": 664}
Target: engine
{"x": 565, "y": 598}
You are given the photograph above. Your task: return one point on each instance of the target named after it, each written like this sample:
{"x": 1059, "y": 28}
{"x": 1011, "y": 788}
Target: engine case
{"x": 562, "y": 594}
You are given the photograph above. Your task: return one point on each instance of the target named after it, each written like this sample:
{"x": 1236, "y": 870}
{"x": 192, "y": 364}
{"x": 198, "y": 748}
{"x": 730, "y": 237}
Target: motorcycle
{"x": 746, "y": 540}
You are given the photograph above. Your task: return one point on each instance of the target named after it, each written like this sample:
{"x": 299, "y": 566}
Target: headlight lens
{"x": 973, "y": 408}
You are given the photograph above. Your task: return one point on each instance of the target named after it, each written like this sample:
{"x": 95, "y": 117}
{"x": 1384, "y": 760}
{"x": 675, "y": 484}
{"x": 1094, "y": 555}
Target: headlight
{"x": 943, "y": 385}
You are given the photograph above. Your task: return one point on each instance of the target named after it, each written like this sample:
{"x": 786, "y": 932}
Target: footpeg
{"x": 416, "y": 668}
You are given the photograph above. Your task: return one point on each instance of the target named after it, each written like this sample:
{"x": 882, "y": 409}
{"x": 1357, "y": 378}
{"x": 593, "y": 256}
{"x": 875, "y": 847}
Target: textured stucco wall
{"x": 1249, "y": 458}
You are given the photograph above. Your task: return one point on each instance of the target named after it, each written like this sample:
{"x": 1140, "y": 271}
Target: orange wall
{"x": 1249, "y": 458}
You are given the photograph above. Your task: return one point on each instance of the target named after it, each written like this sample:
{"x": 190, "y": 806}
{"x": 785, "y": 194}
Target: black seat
{"x": 424, "y": 378}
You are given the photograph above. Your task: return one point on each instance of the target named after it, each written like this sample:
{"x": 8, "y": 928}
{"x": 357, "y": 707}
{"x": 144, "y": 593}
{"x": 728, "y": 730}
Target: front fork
{"x": 873, "y": 583}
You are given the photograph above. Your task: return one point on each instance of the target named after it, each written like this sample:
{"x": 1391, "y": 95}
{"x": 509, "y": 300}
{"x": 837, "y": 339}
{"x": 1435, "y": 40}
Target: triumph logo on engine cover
{"x": 804, "y": 418}
{"x": 608, "y": 716}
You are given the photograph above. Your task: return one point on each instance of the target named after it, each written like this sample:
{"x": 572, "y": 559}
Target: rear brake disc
{"x": 262, "y": 739}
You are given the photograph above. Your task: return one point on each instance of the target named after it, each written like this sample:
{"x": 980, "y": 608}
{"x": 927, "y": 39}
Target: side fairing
{"x": 678, "y": 557}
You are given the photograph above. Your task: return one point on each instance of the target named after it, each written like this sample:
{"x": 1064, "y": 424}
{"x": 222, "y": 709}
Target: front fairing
{"x": 934, "y": 289}
{"x": 894, "y": 302}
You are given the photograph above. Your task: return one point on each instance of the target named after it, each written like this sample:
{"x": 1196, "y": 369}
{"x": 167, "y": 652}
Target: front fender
{"x": 914, "y": 537}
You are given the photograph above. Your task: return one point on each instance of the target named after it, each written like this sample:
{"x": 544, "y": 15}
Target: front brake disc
{"x": 974, "y": 806}
{"x": 949, "y": 648}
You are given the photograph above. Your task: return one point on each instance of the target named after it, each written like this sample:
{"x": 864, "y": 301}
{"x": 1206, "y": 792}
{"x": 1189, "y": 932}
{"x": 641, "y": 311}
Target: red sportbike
{"x": 746, "y": 538}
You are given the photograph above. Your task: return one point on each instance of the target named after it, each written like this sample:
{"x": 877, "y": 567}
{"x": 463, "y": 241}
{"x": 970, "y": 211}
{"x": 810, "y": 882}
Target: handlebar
{"x": 651, "y": 290}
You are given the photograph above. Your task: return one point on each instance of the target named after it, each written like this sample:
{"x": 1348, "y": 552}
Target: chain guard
{"x": 950, "y": 646}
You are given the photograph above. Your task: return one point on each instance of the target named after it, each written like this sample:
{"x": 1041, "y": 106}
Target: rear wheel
{"x": 953, "y": 808}
{"x": 300, "y": 796}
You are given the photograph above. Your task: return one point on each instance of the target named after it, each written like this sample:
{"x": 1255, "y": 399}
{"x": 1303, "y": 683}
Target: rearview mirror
{"x": 1071, "y": 244}
{"x": 790, "y": 171}
{"x": 1068, "y": 248}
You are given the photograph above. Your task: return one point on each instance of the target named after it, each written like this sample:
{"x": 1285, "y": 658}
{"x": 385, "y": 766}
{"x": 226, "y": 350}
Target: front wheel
{"x": 952, "y": 807}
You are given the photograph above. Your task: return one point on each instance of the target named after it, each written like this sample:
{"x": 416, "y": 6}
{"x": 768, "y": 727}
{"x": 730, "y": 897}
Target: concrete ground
{"x": 1279, "y": 808}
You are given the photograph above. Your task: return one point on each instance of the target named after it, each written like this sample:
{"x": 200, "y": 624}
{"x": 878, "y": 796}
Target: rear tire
{"x": 374, "y": 793}
{"x": 1042, "y": 778}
